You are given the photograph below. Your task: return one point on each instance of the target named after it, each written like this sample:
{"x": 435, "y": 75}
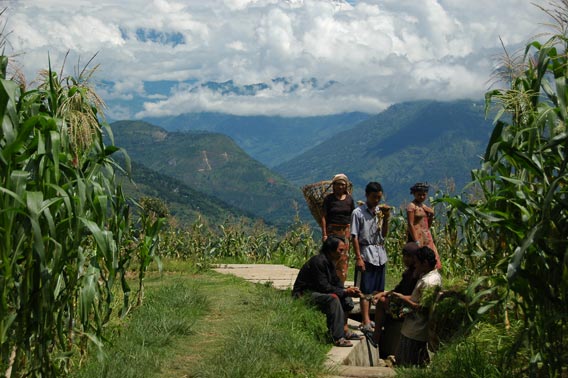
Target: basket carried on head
{"x": 314, "y": 195}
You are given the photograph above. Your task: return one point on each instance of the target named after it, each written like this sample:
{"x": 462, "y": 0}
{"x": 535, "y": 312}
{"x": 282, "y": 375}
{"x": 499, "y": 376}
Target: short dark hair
{"x": 419, "y": 187}
{"x": 410, "y": 249}
{"x": 426, "y": 254}
{"x": 373, "y": 187}
{"x": 330, "y": 244}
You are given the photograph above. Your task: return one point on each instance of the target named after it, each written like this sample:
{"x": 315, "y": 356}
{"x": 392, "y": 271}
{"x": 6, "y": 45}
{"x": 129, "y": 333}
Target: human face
{"x": 420, "y": 196}
{"x": 373, "y": 199}
{"x": 421, "y": 266}
{"x": 339, "y": 186}
{"x": 340, "y": 251}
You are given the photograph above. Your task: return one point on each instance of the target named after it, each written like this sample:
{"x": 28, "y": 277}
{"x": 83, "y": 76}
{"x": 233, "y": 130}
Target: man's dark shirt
{"x": 318, "y": 275}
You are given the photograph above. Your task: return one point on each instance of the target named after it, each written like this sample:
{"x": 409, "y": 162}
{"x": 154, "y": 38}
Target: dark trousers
{"x": 412, "y": 352}
{"x": 331, "y": 306}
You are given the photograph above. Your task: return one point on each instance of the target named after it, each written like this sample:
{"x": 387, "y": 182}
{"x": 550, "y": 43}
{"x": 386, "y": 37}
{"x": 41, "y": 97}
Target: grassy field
{"x": 211, "y": 325}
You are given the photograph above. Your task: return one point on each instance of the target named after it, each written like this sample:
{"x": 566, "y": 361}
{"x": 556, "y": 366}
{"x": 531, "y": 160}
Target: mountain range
{"x": 269, "y": 139}
{"x": 432, "y": 141}
{"x": 186, "y": 204}
{"x": 211, "y": 164}
{"x": 422, "y": 141}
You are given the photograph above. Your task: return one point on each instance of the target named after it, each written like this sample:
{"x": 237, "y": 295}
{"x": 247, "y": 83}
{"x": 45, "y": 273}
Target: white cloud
{"x": 379, "y": 51}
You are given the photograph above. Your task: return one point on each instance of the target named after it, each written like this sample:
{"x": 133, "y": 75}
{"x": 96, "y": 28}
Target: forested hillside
{"x": 269, "y": 139}
{"x": 438, "y": 142}
{"x": 212, "y": 164}
{"x": 184, "y": 203}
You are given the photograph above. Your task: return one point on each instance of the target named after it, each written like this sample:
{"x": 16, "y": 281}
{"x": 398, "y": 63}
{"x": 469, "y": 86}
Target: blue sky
{"x": 314, "y": 57}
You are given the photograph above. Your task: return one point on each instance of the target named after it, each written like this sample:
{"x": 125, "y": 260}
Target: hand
{"x": 324, "y": 238}
{"x": 360, "y": 264}
{"x": 353, "y": 291}
{"x": 377, "y": 297}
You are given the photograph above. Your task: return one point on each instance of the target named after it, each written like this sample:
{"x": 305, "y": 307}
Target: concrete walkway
{"x": 343, "y": 362}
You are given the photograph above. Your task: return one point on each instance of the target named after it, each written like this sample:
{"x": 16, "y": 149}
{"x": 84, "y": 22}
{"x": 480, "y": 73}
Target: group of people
{"x": 365, "y": 227}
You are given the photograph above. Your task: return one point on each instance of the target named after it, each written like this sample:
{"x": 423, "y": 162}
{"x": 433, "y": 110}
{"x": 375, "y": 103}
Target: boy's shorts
{"x": 372, "y": 279}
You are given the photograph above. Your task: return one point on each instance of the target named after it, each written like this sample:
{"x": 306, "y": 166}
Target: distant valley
{"x": 438, "y": 142}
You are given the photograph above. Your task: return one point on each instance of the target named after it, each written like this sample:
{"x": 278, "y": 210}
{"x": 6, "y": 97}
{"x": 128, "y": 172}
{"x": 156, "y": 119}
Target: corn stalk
{"x": 62, "y": 219}
{"x": 521, "y": 222}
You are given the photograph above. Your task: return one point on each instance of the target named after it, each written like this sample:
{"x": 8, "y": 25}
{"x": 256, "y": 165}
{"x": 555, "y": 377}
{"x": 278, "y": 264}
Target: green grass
{"x": 140, "y": 346}
{"x": 479, "y": 354}
{"x": 212, "y": 325}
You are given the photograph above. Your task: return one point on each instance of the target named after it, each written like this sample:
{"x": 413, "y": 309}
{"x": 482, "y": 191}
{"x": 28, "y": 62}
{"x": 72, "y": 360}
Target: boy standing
{"x": 369, "y": 227}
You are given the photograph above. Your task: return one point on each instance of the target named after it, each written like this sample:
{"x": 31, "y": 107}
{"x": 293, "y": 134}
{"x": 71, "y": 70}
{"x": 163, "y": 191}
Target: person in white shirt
{"x": 413, "y": 346}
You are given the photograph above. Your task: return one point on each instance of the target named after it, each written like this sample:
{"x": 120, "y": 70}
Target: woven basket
{"x": 314, "y": 195}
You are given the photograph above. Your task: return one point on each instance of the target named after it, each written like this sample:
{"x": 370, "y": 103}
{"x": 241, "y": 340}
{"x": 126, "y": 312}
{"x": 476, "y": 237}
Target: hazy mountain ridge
{"x": 430, "y": 141}
{"x": 213, "y": 164}
{"x": 269, "y": 139}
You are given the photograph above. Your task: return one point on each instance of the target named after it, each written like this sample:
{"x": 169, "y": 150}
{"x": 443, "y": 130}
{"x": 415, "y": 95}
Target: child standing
{"x": 369, "y": 227}
{"x": 420, "y": 219}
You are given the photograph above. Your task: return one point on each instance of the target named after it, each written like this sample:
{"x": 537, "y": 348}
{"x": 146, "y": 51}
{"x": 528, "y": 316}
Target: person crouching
{"x": 318, "y": 279}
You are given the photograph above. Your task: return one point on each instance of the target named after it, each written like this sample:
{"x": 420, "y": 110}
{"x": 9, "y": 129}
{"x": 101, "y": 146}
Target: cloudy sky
{"x": 275, "y": 57}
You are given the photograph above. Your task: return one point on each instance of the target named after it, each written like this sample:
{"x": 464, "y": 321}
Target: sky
{"x": 271, "y": 57}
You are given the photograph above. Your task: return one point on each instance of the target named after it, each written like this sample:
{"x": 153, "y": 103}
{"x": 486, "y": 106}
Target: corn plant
{"x": 61, "y": 221}
{"x": 153, "y": 213}
{"x": 521, "y": 222}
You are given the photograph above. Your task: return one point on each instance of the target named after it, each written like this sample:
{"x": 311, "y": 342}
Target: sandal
{"x": 342, "y": 343}
{"x": 353, "y": 336}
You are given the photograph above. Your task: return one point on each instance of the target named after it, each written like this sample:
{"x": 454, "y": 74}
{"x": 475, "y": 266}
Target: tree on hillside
{"x": 521, "y": 222}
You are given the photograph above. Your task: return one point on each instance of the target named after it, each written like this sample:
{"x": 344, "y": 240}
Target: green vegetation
{"x": 516, "y": 229}
{"x": 68, "y": 238}
{"x": 209, "y": 325}
{"x": 65, "y": 227}
{"x": 433, "y": 141}
{"x": 212, "y": 164}
{"x": 238, "y": 242}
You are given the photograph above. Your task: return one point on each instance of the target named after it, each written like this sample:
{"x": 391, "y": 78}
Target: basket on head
{"x": 314, "y": 195}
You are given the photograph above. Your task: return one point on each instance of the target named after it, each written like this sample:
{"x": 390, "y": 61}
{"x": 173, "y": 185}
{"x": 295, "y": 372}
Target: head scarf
{"x": 419, "y": 187}
{"x": 340, "y": 177}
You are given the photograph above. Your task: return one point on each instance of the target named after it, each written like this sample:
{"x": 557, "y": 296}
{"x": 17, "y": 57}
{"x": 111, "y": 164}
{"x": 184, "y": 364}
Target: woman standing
{"x": 336, "y": 218}
{"x": 420, "y": 219}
